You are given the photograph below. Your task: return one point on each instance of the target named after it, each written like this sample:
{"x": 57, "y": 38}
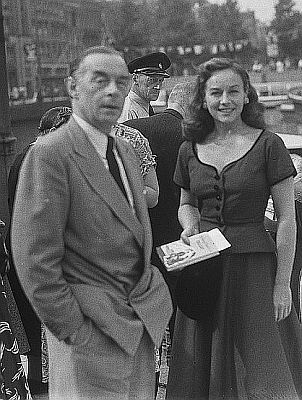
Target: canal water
{"x": 284, "y": 121}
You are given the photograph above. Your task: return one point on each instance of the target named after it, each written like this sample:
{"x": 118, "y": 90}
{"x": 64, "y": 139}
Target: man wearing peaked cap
{"x": 151, "y": 64}
{"x": 148, "y": 73}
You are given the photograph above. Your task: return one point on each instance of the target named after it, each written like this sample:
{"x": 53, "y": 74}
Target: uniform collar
{"x": 137, "y": 99}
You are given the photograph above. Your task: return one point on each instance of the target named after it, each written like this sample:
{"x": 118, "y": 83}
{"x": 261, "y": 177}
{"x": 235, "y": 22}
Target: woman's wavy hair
{"x": 201, "y": 123}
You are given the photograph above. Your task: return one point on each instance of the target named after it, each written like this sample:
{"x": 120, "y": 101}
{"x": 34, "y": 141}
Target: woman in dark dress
{"x": 13, "y": 383}
{"x": 250, "y": 346}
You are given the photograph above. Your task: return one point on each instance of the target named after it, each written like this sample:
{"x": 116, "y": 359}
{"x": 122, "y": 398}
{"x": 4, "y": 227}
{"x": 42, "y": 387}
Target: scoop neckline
{"x": 231, "y": 162}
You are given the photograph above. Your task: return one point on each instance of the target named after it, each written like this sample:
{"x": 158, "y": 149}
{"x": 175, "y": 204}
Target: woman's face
{"x": 225, "y": 96}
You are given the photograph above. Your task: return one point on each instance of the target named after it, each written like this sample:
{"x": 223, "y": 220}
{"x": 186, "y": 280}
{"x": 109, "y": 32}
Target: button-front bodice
{"x": 235, "y": 199}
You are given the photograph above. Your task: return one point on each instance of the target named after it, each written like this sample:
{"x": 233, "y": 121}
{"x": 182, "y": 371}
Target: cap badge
{"x": 160, "y": 65}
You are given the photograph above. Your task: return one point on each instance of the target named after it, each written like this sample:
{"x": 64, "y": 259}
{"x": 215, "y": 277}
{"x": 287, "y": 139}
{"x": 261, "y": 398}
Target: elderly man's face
{"x": 99, "y": 89}
{"x": 148, "y": 87}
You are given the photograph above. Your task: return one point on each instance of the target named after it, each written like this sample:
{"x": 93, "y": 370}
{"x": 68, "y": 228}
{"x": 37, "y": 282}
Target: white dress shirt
{"x": 99, "y": 141}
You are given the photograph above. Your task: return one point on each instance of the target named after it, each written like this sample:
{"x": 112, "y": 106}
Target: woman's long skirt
{"x": 242, "y": 353}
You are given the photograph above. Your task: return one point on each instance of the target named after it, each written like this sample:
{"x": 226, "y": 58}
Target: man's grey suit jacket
{"x": 78, "y": 247}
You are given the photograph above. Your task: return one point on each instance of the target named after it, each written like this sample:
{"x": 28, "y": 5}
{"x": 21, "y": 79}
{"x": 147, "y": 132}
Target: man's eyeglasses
{"x": 154, "y": 80}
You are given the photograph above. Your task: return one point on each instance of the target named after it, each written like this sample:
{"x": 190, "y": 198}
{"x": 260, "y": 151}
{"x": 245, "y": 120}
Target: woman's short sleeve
{"x": 181, "y": 174}
{"x": 279, "y": 163}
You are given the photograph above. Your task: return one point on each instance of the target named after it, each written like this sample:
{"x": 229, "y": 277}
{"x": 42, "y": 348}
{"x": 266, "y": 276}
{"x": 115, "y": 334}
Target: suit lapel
{"x": 101, "y": 180}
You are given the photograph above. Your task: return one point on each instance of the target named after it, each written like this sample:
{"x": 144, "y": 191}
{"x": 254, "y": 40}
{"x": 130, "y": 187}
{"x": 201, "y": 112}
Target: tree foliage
{"x": 174, "y": 22}
{"x": 148, "y": 23}
{"x": 131, "y": 25}
{"x": 220, "y": 23}
{"x": 287, "y": 25}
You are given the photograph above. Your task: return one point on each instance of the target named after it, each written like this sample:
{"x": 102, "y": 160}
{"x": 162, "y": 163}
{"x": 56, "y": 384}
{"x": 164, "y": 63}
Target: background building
{"x": 41, "y": 38}
{"x": 43, "y": 35}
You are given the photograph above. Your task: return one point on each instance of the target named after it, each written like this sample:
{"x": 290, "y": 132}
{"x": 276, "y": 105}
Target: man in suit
{"x": 164, "y": 133}
{"x": 82, "y": 242}
{"x": 148, "y": 73}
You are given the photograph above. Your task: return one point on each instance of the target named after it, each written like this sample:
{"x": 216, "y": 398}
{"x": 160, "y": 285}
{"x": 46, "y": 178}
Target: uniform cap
{"x": 150, "y": 64}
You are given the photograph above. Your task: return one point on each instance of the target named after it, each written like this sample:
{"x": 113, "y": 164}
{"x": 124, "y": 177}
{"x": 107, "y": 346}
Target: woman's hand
{"x": 282, "y": 301}
{"x": 187, "y": 232}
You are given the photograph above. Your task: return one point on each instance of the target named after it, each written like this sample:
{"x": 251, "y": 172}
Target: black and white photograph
{"x": 150, "y": 200}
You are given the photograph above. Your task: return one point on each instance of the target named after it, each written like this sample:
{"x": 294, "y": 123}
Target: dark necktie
{"x": 113, "y": 166}
{"x": 151, "y": 111}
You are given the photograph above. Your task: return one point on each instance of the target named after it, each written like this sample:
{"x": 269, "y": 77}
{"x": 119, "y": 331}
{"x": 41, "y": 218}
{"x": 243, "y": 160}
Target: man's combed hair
{"x": 201, "y": 122}
{"x": 182, "y": 93}
{"x": 75, "y": 63}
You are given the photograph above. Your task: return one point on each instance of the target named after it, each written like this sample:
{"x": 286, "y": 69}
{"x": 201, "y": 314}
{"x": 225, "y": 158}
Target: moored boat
{"x": 295, "y": 94}
{"x": 292, "y": 142}
{"x": 273, "y": 94}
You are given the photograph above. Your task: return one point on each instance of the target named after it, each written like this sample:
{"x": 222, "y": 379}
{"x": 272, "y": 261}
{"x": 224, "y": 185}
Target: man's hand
{"x": 82, "y": 336}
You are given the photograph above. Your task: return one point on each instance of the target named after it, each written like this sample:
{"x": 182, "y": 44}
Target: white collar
{"x": 98, "y": 138}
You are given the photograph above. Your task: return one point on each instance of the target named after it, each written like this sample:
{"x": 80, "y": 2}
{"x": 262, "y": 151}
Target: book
{"x": 270, "y": 211}
{"x": 177, "y": 255}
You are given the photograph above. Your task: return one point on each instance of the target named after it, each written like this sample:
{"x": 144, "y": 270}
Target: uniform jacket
{"x": 79, "y": 250}
{"x": 134, "y": 107}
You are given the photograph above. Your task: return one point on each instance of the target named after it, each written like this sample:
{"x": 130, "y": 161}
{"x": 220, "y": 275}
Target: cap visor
{"x": 159, "y": 73}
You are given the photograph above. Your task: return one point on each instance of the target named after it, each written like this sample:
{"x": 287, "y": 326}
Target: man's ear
{"x": 71, "y": 86}
{"x": 135, "y": 78}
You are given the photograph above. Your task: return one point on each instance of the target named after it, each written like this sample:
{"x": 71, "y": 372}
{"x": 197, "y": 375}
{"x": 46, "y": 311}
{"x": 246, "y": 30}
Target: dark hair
{"x": 75, "y": 63}
{"x": 53, "y": 118}
{"x": 201, "y": 122}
